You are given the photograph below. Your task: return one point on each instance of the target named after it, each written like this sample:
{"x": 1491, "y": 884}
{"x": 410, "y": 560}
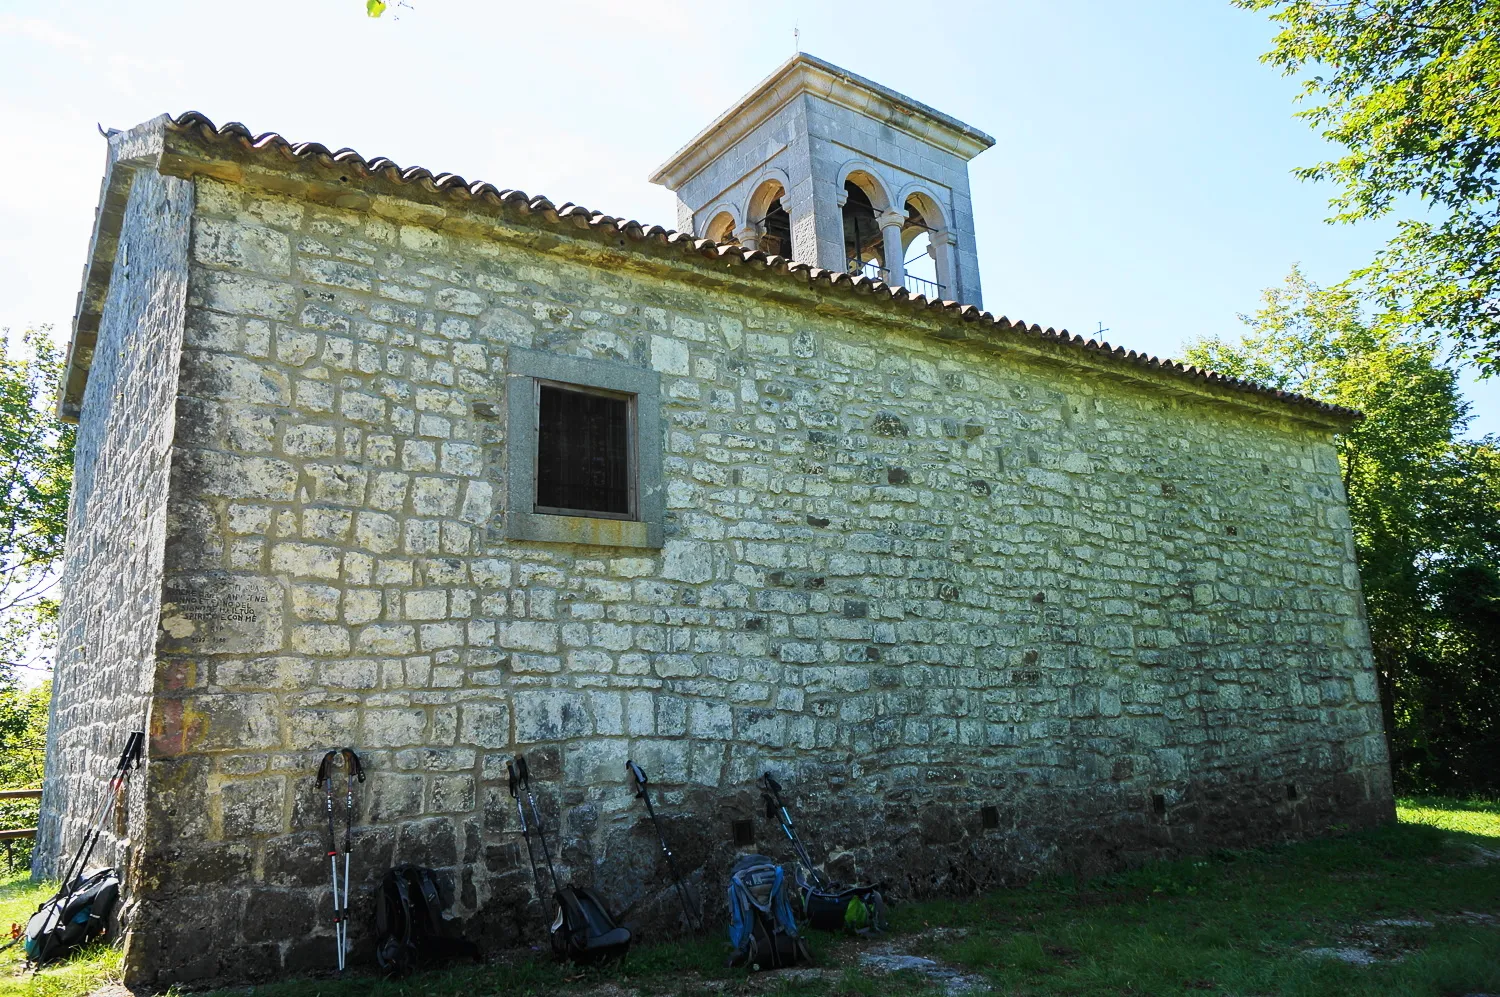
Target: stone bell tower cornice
{"x": 805, "y": 73}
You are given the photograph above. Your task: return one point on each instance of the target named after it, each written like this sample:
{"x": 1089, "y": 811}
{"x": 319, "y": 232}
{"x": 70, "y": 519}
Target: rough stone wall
{"x": 111, "y": 580}
{"x": 911, "y": 578}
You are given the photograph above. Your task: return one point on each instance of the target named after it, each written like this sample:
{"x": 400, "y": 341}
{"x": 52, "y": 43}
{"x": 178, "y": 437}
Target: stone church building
{"x": 378, "y": 457}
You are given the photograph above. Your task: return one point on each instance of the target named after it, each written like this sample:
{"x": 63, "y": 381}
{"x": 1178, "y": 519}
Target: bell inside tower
{"x": 863, "y": 249}
{"x": 777, "y": 226}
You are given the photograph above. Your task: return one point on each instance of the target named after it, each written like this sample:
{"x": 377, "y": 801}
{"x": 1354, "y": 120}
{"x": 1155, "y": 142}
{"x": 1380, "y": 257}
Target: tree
{"x": 23, "y": 735}
{"x": 1411, "y": 88}
{"x": 23, "y": 741}
{"x": 36, "y": 473}
{"x": 1425, "y": 508}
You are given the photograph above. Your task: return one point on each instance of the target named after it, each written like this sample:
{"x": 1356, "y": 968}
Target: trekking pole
{"x": 353, "y": 768}
{"x": 636, "y": 773}
{"x": 131, "y": 755}
{"x": 510, "y": 768}
{"x": 773, "y": 791}
{"x": 325, "y": 776}
{"x": 536, "y": 815}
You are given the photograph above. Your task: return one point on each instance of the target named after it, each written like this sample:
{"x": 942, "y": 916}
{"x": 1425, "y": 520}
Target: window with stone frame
{"x": 583, "y": 451}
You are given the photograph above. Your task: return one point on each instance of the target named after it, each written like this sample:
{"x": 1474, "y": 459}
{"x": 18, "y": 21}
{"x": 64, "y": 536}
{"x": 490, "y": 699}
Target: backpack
{"x": 827, "y": 906}
{"x": 74, "y": 917}
{"x": 762, "y": 929}
{"x": 859, "y": 909}
{"x": 410, "y": 930}
{"x": 584, "y": 930}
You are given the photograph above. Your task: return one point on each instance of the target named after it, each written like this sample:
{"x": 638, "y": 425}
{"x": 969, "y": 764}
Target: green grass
{"x": 1478, "y": 818}
{"x": 1226, "y": 923}
{"x": 1238, "y": 922}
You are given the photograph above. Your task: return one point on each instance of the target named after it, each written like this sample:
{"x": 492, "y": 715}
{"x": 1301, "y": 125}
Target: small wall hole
{"x": 744, "y": 833}
{"x": 989, "y": 817}
{"x": 1158, "y": 803}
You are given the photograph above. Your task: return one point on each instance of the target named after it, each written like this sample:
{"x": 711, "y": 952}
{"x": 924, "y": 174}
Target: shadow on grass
{"x": 1226, "y": 922}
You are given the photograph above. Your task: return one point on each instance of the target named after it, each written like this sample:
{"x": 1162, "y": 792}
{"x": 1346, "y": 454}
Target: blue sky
{"x": 1141, "y": 178}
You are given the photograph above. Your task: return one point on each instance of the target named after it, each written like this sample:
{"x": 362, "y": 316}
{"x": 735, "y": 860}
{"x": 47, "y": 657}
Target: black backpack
{"x": 856, "y": 908}
{"x": 827, "y": 906}
{"x": 410, "y": 930}
{"x": 74, "y": 917}
{"x": 80, "y": 909}
{"x": 584, "y": 930}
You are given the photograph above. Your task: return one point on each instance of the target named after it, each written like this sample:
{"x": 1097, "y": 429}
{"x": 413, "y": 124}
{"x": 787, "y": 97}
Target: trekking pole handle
{"x": 353, "y": 769}
{"x": 635, "y": 772}
{"x": 524, "y": 772}
{"x": 132, "y": 753}
{"x": 325, "y": 767}
{"x": 515, "y": 794}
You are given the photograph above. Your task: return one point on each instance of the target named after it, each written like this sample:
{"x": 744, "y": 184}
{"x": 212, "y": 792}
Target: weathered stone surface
{"x": 119, "y": 526}
{"x": 912, "y": 577}
{"x": 221, "y": 614}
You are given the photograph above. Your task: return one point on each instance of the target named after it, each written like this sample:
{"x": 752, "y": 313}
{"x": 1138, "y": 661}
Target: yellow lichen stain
{"x": 599, "y": 532}
{"x": 403, "y": 210}
{"x": 218, "y": 169}
{"x": 194, "y": 725}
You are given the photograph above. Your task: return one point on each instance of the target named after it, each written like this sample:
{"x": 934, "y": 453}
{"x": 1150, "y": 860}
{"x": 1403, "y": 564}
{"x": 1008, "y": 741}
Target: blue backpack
{"x": 762, "y": 928}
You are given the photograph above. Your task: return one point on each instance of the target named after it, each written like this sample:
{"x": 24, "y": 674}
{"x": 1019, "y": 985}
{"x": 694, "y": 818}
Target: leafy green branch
{"x": 36, "y": 474}
{"x": 1411, "y": 90}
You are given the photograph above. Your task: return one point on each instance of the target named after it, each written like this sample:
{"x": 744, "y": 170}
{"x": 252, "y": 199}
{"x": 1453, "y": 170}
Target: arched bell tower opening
{"x": 920, "y": 267}
{"x": 722, "y": 229}
{"x": 927, "y": 265}
{"x": 769, "y": 226}
{"x": 777, "y": 226}
{"x": 864, "y": 249}
{"x": 810, "y": 160}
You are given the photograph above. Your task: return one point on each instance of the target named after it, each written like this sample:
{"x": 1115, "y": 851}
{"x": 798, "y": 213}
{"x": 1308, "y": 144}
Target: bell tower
{"x": 834, "y": 170}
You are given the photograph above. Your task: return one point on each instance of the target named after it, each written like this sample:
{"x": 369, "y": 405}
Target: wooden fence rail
{"x": 11, "y": 836}
{"x": 20, "y": 794}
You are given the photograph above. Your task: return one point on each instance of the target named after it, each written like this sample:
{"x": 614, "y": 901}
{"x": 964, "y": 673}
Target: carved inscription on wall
{"x": 220, "y": 609}
{"x": 221, "y": 614}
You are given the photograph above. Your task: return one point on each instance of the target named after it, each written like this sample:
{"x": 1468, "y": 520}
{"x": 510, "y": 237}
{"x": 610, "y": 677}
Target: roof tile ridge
{"x": 456, "y": 185}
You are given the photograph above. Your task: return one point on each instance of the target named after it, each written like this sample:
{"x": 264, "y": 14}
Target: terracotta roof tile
{"x": 568, "y": 213}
